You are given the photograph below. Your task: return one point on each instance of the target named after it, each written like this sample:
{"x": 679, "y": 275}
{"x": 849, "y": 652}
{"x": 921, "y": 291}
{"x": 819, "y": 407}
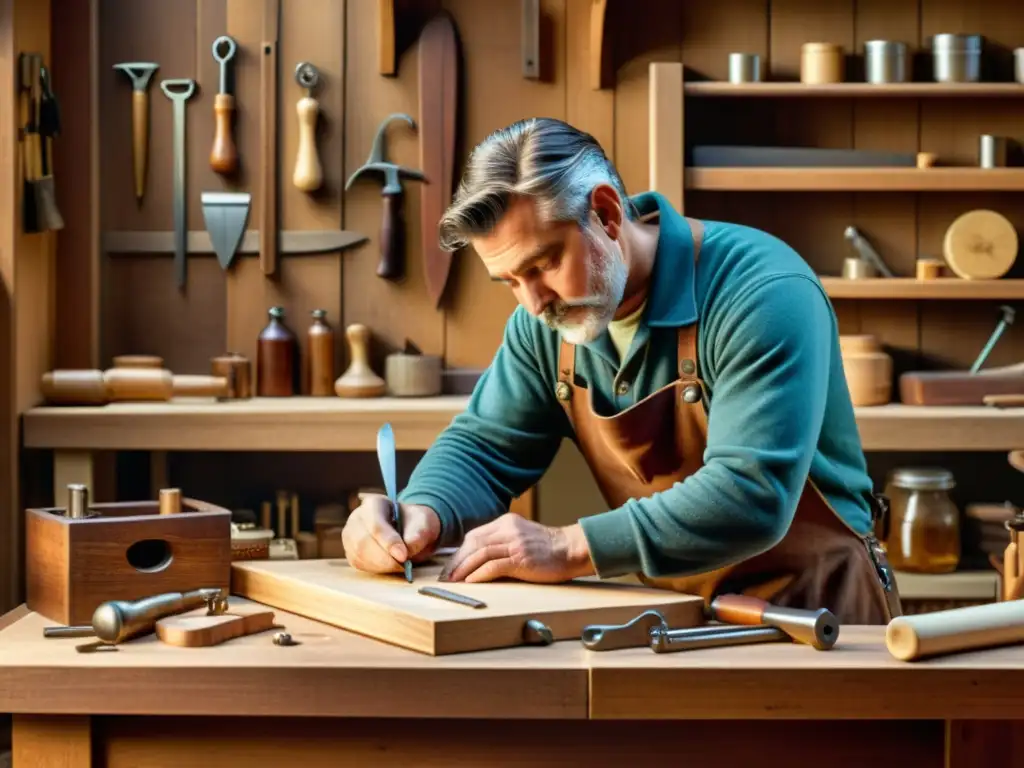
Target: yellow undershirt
{"x": 622, "y": 331}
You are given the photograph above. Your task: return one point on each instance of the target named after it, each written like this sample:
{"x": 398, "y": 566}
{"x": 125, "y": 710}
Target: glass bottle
{"x": 924, "y": 528}
{"x": 276, "y": 351}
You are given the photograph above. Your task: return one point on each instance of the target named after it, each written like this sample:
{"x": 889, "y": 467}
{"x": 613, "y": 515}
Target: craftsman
{"x": 696, "y": 364}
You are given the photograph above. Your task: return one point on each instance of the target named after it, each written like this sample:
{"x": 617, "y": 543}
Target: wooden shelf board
{"x": 855, "y": 90}
{"x": 911, "y": 288}
{"x": 259, "y": 424}
{"x": 855, "y": 179}
{"x": 959, "y": 585}
{"x": 898, "y": 427}
{"x": 337, "y": 424}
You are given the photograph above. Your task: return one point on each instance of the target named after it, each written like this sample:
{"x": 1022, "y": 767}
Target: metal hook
{"x": 232, "y": 47}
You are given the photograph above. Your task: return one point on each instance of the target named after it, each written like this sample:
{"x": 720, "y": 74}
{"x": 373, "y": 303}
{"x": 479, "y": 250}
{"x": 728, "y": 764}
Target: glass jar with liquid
{"x": 924, "y": 527}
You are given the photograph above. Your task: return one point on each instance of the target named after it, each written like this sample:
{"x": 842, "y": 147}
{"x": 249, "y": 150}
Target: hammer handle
{"x": 392, "y": 239}
{"x": 140, "y": 139}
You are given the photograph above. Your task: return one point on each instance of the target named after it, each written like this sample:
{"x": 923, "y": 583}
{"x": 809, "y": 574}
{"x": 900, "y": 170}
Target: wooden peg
{"x": 308, "y": 175}
{"x": 170, "y": 501}
{"x": 359, "y": 380}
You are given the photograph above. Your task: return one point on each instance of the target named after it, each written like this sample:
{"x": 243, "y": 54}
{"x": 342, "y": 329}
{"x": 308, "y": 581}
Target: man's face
{"x": 571, "y": 279}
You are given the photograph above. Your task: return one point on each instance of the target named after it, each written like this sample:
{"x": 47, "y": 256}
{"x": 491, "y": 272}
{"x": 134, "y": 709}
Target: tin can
{"x": 744, "y": 68}
{"x": 886, "y": 61}
{"x": 821, "y": 63}
{"x": 956, "y": 58}
{"x": 991, "y": 151}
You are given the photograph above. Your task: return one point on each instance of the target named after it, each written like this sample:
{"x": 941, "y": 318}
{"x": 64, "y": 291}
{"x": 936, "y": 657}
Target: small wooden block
{"x": 202, "y": 631}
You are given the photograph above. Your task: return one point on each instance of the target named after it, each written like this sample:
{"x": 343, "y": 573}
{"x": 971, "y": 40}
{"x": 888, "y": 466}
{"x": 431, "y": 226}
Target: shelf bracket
{"x": 530, "y": 30}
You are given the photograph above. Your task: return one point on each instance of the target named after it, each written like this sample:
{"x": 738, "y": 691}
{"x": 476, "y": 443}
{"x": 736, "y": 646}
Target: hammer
{"x": 392, "y": 231}
{"x": 140, "y": 73}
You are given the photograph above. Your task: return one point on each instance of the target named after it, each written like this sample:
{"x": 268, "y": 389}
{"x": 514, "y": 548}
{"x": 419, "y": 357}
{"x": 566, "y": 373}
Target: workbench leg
{"x": 984, "y": 743}
{"x": 51, "y": 741}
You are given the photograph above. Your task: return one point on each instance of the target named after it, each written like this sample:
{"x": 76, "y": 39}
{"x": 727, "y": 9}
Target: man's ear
{"x": 607, "y": 206}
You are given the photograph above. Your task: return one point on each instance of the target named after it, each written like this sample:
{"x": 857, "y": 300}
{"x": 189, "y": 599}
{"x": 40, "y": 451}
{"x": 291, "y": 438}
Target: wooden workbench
{"x": 343, "y": 700}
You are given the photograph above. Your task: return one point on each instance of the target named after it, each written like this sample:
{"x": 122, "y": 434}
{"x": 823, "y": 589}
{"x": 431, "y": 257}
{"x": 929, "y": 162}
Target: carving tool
{"x": 386, "y": 457}
{"x": 392, "y": 231}
{"x": 308, "y": 175}
{"x": 180, "y": 224}
{"x": 439, "y": 92}
{"x": 224, "y": 154}
{"x": 268, "y": 138}
{"x": 1007, "y": 320}
{"x": 818, "y": 629}
{"x": 118, "y": 620}
{"x": 226, "y": 215}
{"x": 453, "y": 597}
{"x": 140, "y": 73}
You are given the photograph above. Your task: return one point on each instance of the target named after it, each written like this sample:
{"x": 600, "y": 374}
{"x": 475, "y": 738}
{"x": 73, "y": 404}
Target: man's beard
{"x": 606, "y": 285}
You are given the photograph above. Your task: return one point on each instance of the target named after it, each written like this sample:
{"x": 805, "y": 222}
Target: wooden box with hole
{"x": 81, "y": 555}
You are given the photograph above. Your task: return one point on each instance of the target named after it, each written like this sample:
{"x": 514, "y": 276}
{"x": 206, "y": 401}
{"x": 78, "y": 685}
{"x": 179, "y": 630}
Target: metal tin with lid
{"x": 956, "y": 58}
{"x": 886, "y": 61}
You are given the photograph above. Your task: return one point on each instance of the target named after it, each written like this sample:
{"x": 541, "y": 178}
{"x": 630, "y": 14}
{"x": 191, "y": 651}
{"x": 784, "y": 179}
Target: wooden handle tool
{"x": 919, "y": 636}
{"x": 818, "y": 629}
{"x": 224, "y": 154}
{"x": 309, "y": 174}
{"x": 140, "y": 73}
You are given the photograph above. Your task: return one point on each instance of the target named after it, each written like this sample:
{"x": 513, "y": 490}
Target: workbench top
{"x": 336, "y": 673}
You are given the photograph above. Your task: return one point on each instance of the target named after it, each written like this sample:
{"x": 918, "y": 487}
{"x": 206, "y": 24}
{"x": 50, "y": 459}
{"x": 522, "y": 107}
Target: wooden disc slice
{"x": 980, "y": 245}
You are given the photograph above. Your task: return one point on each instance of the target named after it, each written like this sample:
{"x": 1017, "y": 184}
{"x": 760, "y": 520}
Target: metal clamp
{"x": 635, "y": 633}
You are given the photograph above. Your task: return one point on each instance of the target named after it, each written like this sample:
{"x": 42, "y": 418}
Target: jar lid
{"x": 957, "y": 42}
{"x": 821, "y": 47}
{"x": 923, "y": 479}
{"x": 251, "y": 535}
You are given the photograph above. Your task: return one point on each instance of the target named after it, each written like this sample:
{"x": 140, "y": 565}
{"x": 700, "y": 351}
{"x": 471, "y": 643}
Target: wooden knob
{"x": 308, "y": 175}
{"x": 359, "y": 380}
{"x": 170, "y": 501}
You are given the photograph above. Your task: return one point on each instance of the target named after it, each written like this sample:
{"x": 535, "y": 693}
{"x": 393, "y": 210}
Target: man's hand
{"x": 372, "y": 543}
{"x": 517, "y": 548}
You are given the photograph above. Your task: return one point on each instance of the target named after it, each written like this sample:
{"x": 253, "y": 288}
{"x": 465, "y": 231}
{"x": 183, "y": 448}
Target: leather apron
{"x": 820, "y": 563}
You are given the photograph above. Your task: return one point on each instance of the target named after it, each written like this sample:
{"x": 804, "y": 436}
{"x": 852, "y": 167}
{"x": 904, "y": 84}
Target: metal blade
{"x": 386, "y": 458}
{"x": 226, "y": 215}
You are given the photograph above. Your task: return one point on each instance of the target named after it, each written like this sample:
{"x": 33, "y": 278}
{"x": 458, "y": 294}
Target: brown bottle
{"x": 276, "y": 351}
{"x": 320, "y": 356}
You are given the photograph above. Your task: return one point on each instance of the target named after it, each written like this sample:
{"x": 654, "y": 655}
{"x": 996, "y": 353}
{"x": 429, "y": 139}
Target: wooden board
{"x": 388, "y": 608}
{"x": 200, "y": 630}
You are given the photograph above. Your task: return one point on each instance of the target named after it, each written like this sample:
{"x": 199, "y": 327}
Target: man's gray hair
{"x": 542, "y": 158}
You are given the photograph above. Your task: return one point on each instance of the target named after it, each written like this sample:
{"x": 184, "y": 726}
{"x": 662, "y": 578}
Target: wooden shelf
{"x": 336, "y": 424}
{"x": 959, "y": 585}
{"x": 259, "y": 424}
{"x": 856, "y": 90}
{"x": 855, "y": 179}
{"x": 897, "y": 427}
{"x": 910, "y": 288}
{"x": 198, "y": 242}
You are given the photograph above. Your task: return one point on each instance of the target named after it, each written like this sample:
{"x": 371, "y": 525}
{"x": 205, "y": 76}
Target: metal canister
{"x": 886, "y": 61}
{"x": 992, "y": 151}
{"x": 78, "y": 501}
{"x": 1018, "y": 65}
{"x": 956, "y": 58}
{"x": 744, "y": 68}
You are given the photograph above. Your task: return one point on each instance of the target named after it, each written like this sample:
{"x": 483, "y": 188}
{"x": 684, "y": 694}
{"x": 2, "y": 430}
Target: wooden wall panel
{"x": 394, "y": 312}
{"x": 495, "y": 95}
{"x": 143, "y": 309}
{"x": 26, "y": 284}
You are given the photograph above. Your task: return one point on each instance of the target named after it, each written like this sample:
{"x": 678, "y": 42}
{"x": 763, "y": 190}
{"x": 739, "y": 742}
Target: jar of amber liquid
{"x": 924, "y": 523}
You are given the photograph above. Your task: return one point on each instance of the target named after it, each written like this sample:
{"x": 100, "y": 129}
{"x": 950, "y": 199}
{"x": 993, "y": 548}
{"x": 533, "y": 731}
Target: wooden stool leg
{"x": 51, "y": 741}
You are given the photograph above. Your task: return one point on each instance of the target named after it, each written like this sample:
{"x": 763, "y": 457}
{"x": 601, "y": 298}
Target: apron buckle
{"x": 886, "y": 578}
{"x": 563, "y": 391}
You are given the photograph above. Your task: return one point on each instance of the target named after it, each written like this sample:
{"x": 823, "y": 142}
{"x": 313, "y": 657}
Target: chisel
{"x": 180, "y": 224}
{"x": 386, "y": 457}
